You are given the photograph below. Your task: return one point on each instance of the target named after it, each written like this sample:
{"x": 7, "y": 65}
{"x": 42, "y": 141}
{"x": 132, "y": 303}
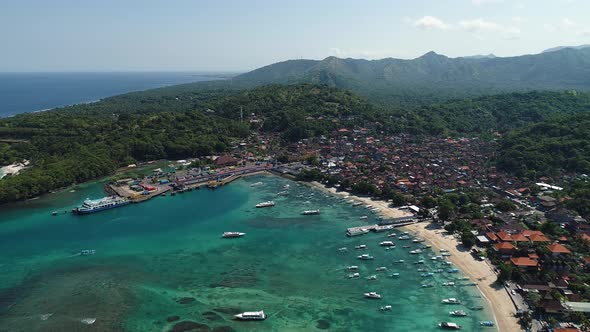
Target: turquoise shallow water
{"x": 165, "y": 258}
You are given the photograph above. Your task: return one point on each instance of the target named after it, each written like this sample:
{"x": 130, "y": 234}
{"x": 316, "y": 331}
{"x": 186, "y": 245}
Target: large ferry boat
{"x": 265, "y": 204}
{"x": 251, "y": 315}
{"x": 96, "y": 205}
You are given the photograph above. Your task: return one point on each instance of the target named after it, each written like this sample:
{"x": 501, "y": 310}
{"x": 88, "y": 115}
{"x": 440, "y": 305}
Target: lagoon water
{"x": 166, "y": 258}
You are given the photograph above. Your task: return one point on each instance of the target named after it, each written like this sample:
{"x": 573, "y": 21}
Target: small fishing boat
{"x": 365, "y": 257}
{"x": 373, "y": 277}
{"x": 458, "y": 313}
{"x": 486, "y": 323}
{"x": 451, "y": 300}
{"x": 385, "y": 308}
{"x": 364, "y": 218}
{"x": 372, "y": 295}
{"x": 448, "y": 284}
{"x": 381, "y": 269}
{"x": 352, "y": 268}
{"x": 232, "y": 234}
{"x": 354, "y": 275}
{"x": 394, "y": 275}
{"x": 342, "y": 249}
{"x": 449, "y": 326}
{"x": 361, "y": 246}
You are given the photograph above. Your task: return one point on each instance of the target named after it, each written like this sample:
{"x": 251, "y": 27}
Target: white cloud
{"x": 566, "y": 22}
{"x": 431, "y": 22}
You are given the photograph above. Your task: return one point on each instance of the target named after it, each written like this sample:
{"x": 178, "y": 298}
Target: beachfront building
{"x": 525, "y": 264}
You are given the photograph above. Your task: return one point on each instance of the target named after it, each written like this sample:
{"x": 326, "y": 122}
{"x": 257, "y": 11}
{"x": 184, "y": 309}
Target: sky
{"x": 241, "y": 35}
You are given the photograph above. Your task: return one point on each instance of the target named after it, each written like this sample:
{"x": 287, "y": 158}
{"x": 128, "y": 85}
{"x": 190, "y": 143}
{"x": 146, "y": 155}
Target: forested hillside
{"x": 487, "y": 115}
{"x": 559, "y": 144}
{"x": 82, "y": 142}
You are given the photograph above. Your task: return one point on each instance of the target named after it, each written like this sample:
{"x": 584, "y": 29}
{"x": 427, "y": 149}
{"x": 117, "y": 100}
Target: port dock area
{"x": 380, "y": 228}
{"x": 140, "y": 190}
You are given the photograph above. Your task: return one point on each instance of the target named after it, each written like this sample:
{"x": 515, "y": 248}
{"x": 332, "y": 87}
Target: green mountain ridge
{"x": 434, "y": 76}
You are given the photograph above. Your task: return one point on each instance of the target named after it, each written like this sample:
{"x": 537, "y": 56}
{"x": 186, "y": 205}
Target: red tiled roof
{"x": 569, "y": 329}
{"x": 528, "y": 232}
{"x": 539, "y": 238}
{"x": 504, "y": 246}
{"x": 519, "y": 238}
{"x": 585, "y": 236}
{"x": 587, "y": 260}
{"x": 504, "y": 236}
{"x": 557, "y": 248}
{"x": 533, "y": 256}
{"x": 524, "y": 261}
{"x": 492, "y": 236}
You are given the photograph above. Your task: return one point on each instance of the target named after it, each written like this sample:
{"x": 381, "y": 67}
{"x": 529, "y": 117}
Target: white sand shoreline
{"x": 480, "y": 272}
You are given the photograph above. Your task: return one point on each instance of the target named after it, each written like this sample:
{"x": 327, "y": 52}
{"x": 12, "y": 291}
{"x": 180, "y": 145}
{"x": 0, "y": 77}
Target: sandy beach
{"x": 12, "y": 169}
{"x": 478, "y": 271}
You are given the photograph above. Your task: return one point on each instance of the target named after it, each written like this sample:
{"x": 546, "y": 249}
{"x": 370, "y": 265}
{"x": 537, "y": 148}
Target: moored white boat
{"x": 449, "y": 326}
{"x": 365, "y": 257}
{"x": 451, "y": 300}
{"x": 251, "y": 315}
{"x": 361, "y": 246}
{"x": 372, "y": 295}
{"x": 265, "y": 204}
{"x": 310, "y": 212}
{"x": 458, "y": 313}
{"x": 232, "y": 234}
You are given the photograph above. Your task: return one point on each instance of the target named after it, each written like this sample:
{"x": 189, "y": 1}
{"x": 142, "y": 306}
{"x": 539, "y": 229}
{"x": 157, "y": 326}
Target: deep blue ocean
{"x": 29, "y": 92}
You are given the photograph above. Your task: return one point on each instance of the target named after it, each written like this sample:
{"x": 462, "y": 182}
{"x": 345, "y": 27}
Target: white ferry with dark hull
{"x": 97, "y": 205}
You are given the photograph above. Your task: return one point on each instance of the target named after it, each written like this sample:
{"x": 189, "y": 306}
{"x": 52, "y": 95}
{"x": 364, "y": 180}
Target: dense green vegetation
{"x": 561, "y": 143}
{"x": 82, "y": 142}
{"x": 488, "y": 114}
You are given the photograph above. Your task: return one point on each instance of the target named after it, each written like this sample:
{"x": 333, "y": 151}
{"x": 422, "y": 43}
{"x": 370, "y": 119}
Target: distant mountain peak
{"x": 432, "y": 54}
{"x": 559, "y": 48}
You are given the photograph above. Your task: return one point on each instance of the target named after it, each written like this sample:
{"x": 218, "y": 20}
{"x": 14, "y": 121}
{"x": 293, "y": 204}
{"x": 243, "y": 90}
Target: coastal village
{"x": 538, "y": 249}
